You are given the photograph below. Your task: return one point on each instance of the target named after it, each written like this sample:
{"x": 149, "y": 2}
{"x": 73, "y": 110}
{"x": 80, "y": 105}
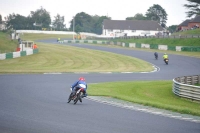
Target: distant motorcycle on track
{"x": 156, "y": 55}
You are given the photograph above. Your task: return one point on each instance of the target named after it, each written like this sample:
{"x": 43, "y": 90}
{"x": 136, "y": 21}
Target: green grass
{"x": 150, "y": 93}
{"x": 188, "y": 32}
{"x": 160, "y": 52}
{"x": 169, "y": 41}
{"x": 7, "y": 44}
{"x": 63, "y": 58}
{"x": 197, "y": 84}
{"x": 165, "y": 41}
{"x": 36, "y": 36}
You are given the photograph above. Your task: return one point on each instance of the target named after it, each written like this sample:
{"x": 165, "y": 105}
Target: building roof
{"x": 146, "y": 25}
{"x": 196, "y": 19}
{"x": 185, "y": 23}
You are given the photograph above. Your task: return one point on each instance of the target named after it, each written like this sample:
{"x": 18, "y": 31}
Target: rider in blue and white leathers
{"x": 79, "y": 84}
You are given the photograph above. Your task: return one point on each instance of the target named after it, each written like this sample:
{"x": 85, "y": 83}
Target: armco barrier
{"x": 185, "y": 87}
{"x": 18, "y": 54}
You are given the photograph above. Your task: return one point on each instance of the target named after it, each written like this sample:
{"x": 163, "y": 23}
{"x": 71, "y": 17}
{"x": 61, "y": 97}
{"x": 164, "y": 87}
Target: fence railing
{"x": 185, "y": 87}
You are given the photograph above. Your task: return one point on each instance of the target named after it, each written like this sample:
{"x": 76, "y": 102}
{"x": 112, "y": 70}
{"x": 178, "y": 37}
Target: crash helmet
{"x": 82, "y": 78}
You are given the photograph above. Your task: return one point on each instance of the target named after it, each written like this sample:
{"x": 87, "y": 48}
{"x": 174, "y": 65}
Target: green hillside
{"x": 6, "y": 43}
{"x": 165, "y": 41}
{"x": 188, "y": 32}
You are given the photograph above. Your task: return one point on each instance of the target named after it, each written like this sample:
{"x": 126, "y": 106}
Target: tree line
{"x": 40, "y": 19}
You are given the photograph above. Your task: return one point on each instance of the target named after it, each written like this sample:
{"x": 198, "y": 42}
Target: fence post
{"x": 192, "y": 78}
{"x": 178, "y": 79}
{"x": 185, "y": 80}
{"x": 199, "y": 79}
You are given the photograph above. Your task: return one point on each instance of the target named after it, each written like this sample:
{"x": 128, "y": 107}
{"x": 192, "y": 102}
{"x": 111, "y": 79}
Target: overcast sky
{"x": 116, "y": 9}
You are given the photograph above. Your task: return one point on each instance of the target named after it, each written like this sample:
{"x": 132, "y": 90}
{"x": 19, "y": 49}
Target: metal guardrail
{"x": 185, "y": 87}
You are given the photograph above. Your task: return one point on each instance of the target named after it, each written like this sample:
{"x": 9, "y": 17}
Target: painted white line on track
{"x": 126, "y": 72}
{"x": 52, "y": 73}
{"x": 81, "y": 72}
{"x": 105, "y": 72}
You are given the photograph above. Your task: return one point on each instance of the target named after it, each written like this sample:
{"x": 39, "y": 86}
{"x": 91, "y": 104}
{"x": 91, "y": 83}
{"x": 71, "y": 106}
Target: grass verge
{"x": 150, "y": 93}
{"x": 165, "y": 41}
{"x": 160, "y": 52}
{"x": 188, "y": 32}
{"x": 37, "y": 36}
{"x": 65, "y": 58}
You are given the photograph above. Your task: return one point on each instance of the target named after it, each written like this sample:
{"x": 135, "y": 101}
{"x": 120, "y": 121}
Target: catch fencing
{"x": 186, "y": 87}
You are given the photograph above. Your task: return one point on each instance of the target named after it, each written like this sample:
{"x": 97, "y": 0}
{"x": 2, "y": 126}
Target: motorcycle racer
{"x": 79, "y": 84}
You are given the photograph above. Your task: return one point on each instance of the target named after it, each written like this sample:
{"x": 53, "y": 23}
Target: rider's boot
{"x": 80, "y": 100}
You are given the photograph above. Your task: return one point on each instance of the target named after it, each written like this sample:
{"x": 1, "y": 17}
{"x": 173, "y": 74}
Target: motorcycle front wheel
{"x": 70, "y": 98}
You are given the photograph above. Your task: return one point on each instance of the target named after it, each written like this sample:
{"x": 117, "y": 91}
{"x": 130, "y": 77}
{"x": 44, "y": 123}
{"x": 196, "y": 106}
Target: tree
{"x": 172, "y": 28}
{"x": 0, "y": 19}
{"x": 194, "y": 7}
{"x": 40, "y": 18}
{"x": 157, "y": 13}
{"x": 16, "y": 22}
{"x": 86, "y": 23}
{"x": 58, "y": 23}
{"x": 98, "y": 23}
{"x": 138, "y": 16}
{"x": 77, "y": 22}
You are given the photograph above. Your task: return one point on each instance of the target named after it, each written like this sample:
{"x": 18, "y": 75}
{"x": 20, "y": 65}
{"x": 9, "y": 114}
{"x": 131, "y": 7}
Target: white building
{"x": 116, "y": 28}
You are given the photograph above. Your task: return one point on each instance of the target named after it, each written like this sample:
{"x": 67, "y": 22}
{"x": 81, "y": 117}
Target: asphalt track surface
{"x": 37, "y": 103}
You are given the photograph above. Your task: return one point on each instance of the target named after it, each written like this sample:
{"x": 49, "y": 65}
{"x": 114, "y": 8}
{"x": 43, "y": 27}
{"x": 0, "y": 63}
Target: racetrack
{"x": 37, "y": 103}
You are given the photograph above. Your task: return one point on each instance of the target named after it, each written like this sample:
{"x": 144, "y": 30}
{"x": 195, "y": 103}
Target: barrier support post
{"x": 199, "y": 79}
{"x": 185, "y": 80}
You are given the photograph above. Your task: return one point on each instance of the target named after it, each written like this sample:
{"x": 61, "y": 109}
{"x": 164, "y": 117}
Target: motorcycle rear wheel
{"x": 77, "y": 98}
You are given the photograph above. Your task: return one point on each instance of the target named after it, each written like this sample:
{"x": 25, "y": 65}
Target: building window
{"x": 121, "y": 30}
{"x": 110, "y": 30}
{"x": 133, "y": 30}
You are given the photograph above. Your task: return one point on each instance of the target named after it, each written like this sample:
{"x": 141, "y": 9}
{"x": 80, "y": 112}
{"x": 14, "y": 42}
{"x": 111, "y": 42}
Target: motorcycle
{"x": 156, "y": 55}
{"x": 76, "y": 96}
{"x": 166, "y": 61}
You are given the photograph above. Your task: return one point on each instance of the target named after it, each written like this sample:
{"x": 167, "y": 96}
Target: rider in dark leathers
{"x": 156, "y": 55}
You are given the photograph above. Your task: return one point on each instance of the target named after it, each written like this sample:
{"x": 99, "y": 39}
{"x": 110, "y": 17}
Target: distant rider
{"x": 165, "y": 56}
{"x": 156, "y": 55}
{"x": 79, "y": 84}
